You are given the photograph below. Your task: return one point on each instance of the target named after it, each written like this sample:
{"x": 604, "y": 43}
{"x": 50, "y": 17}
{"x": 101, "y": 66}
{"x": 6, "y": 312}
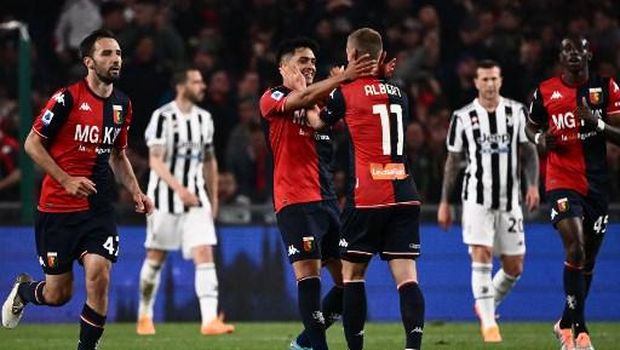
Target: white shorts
{"x": 166, "y": 231}
{"x": 501, "y": 230}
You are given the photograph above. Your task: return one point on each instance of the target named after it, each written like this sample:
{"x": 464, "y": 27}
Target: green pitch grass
{"x": 276, "y": 336}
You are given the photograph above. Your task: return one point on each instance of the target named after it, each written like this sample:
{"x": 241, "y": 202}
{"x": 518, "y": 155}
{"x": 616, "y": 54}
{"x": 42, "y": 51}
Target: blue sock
{"x": 354, "y": 314}
{"x": 332, "y": 311}
{"x": 412, "y": 313}
{"x": 309, "y": 298}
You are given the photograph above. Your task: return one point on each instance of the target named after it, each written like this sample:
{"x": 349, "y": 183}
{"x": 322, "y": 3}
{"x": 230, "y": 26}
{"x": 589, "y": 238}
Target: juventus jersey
{"x": 186, "y": 138}
{"x": 490, "y": 141}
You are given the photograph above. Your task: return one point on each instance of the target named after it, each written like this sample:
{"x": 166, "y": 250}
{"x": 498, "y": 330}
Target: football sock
{"x": 91, "y": 328}
{"x": 503, "y": 284}
{"x": 484, "y": 293}
{"x": 149, "y": 282}
{"x": 309, "y": 299}
{"x": 354, "y": 313}
{"x": 32, "y": 292}
{"x": 588, "y": 277}
{"x": 332, "y": 311}
{"x": 206, "y": 289}
{"x": 574, "y": 288}
{"x": 412, "y": 313}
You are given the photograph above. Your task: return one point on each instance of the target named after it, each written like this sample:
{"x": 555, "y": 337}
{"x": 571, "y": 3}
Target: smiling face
{"x": 105, "y": 61}
{"x": 575, "y": 54}
{"x": 303, "y": 58}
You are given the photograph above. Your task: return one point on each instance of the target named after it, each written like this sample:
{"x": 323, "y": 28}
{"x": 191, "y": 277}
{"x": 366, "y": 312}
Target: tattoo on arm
{"x": 529, "y": 161}
{"x": 450, "y": 174}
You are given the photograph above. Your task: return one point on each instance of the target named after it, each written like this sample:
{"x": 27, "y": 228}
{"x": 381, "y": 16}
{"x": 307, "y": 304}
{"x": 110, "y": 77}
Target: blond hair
{"x": 366, "y": 41}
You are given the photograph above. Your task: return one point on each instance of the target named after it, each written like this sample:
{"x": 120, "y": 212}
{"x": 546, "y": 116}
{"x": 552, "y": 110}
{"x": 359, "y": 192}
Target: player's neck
{"x": 489, "y": 105}
{"x": 98, "y": 87}
{"x": 573, "y": 79}
{"x": 184, "y": 105}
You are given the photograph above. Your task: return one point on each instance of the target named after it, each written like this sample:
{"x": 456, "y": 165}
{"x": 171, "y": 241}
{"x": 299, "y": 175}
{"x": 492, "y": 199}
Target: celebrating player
{"x": 182, "y": 160}
{"x": 569, "y": 117}
{"x": 382, "y": 211}
{"x": 491, "y": 132}
{"x": 80, "y": 134}
{"x": 304, "y": 196}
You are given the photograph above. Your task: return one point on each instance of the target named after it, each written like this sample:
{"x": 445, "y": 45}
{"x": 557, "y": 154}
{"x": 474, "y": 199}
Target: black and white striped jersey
{"x": 490, "y": 142}
{"x": 186, "y": 138}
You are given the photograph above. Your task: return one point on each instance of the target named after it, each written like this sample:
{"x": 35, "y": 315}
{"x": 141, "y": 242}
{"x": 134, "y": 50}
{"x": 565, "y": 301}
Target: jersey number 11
{"x": 382, "y": 111}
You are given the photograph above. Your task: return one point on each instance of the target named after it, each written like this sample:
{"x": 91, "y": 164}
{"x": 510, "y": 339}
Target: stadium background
{"x": 233, "y": 43}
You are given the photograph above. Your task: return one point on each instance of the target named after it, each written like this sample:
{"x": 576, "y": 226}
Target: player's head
{"x": 189, "y": 84}
{"x": 300, "y": 52}
{"x": 101, "y": 54}
{"x": 364, "y": 41}
{"x": 575, "y": 53}
{"x": 488, "y": 79}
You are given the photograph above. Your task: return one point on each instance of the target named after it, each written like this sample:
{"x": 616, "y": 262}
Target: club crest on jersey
{"x": 595, "y": 95}
{"x": 52, "y": 259}
{"x": 562, "y": 204}
{"x": 117, "y": 112}
{"x": 308, "y": 243}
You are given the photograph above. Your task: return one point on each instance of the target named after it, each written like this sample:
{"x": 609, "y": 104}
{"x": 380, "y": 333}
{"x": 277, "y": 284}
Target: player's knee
{"x": 575, "y": 254}
{"x": 98, "y": 282}
{"x": 58, "y": 297}
{"x": 514, "y": 270}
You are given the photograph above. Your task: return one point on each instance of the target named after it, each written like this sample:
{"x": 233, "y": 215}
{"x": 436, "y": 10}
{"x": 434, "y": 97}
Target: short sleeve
{"x": 209, "y": 131}
{"x": 613, "y": 106}
{"x": 537, "y": 111}
{"x": 121, "y": 140}
{"x": 522, "y": 120}
{"x": 272, "y": 103}
{"x": 155, "y": 133}
{"x": 54, "y": 114}
{"x": 454, "y": 142}
{"x": 334, "y": 109}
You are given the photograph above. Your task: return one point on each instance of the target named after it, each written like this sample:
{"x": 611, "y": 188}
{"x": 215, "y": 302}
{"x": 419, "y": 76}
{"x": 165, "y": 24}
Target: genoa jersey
{"x": 185, "y": 139}
{"x": 375, "y": 114}
{"x": 580, "y": 162}
{"x": 302, "y": 157}
{"x": 80, "y": 129}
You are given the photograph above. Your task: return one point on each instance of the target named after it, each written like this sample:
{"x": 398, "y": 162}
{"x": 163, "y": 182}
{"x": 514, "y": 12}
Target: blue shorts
{"x": 310, "y": 230}
{"x": 592, "y": 209}
{"x": 64, "y": 237}
{"x": 391, "y": 232}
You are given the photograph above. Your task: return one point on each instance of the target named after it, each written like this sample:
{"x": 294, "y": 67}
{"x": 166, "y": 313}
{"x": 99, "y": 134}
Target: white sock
{"x": 503, "y": 284}
{"x": 482, "y": 288}
{"x": 206, "y": 291}
{"x": 149, "y": 283}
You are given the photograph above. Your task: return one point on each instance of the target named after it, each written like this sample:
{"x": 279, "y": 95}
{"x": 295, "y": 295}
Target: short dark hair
{"x": 179, "y": 74}
{"x": 290, "y": 45}
{"x": 366, "y": 41}
{"x": 88, "y": 44}
{"x": 486, "y": 64}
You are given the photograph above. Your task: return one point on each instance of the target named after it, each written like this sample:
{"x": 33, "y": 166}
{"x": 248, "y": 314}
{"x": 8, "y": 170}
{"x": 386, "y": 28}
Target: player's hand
{"x": 362, "y": 66}
{"x": 386, "y": 69}
{"x": 188, "y": 198}
{"x": 585, "y": 112}
{"x": 336, "y": 70}
{"x": 143, "y": 203}
{"x": 547, "y": 142}
{"x": 444, "y": 216}
{"x": 79, "y": 186}
{"x": 532, "y": 198}
{"x": 292, "y": 77}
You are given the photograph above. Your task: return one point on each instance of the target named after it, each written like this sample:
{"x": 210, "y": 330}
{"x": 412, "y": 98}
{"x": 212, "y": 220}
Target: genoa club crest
{"x": 117, "y": 113}
{"x": 308, "y": 243}
{"x": 52, "y": 259}
{"x": 596, "y": 95}
{"x": 563, "y": 205}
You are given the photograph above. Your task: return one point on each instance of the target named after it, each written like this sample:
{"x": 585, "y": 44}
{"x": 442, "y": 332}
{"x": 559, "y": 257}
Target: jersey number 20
{"x": 382, "y": 111}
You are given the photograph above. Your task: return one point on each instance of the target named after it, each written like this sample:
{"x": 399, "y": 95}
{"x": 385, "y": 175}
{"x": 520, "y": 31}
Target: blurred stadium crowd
{"x": 233, "y": 42}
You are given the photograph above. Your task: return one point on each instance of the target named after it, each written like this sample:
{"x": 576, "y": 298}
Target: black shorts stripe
{"x": 476, "y": 131}
{"x": 495, "y": 181}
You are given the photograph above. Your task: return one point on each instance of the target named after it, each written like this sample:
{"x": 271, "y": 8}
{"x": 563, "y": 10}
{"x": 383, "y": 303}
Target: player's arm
{"x": 158, "y": 165}
{"x": 612, "y": 133}
{"x": 210, "y": 173}
{"x": 124, "y": 172}
{"x": 312, "y": 94}
{"x": 529, "y": 161}
{"x": 450, "y": 175}
{"x": 536, "y": 128}
{"x": 77, "y": 186}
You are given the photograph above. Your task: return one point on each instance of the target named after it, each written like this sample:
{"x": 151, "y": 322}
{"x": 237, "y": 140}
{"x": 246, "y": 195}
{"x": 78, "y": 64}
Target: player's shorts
{"x": 165, "y": 231}
{"x": 64, "y": 237}
{"x": 391, "y": 232}
{"x": 592, "y": 209}
{"x": 499, "y": 229}
{"x": 310, "y": 231}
